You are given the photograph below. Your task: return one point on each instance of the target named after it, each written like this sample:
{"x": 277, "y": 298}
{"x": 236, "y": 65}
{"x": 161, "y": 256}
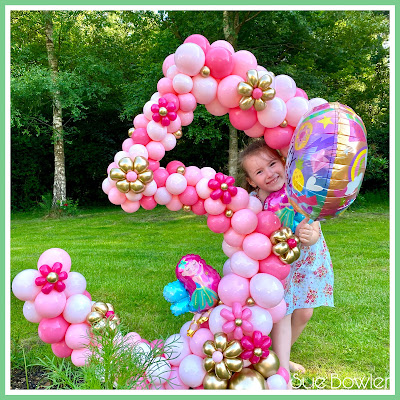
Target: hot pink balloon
{"x": 224, "y": 44}
{"x": 197, "y": 341}
{"x": 243, "y": 119}
{"x": 243, "y": 265}
{"x": 23, "y": 285}
{"x": 164, "y": 85}
{"x": 87, "y": 294}
{"x": 189, "y": 196}
{"x": 272, "y": 265}
{"x": 268, "y": 223}
{"x": 218, "y": 223}
{"x": 198, "y": 208}
{"x": 266, "y": 290}
{"x": 233, "y": 288}
{"x": 301, "y": 93}
{"x": 77, "y": 336}
{"x": 51, "y": 256}
{"x": 285, "y": 87}
{"x": 191, "y": 370}
{"x": 156, "y": 150}
{"x": 296, "y": 108}
{"x": 200, "y": 40}
{"x": 140, "y": 121}
{"x": 61, "y": 350}
{"x": 278, "y": 312}
{"x": 257, "y": 246}
{"x": 168, "y": 62}
{"x": 52, "y": 330}
{"x": 148, "y": 202}
{"x": 187, "y": 102}
{"x": 273, "y": 114}
{"x": 153, "y": 164}
{"x": 140, "y": 136}
{"x": 216, "y": 108}
{"x": 257, "y": 130}
{"x": 243, "y": 60}
{"x": 160, "y": 176}
{"x": 182, "y": 83}
{"x": 192, "y": 175}
{"x": 228, "y": 250}
{"x": 233, "y": 238}
{"x": 189, "y": 58}
{"x": 227, "y": 93}
{"x": 278, "y": 137}
{"x": 220, "y": 62}
{"x": 244, "y": 221}
{"x": 173, "y": 166}
{"x": 240, "y": 201}
{"x": 50, "y": 305}
{"x": 204, "y": 89}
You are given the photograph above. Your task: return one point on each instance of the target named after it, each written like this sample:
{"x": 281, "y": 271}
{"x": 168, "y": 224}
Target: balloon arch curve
{"x": 226, "y": 344}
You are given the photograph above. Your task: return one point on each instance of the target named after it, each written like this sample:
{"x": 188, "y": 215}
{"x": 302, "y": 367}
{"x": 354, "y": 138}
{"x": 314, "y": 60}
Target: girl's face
{"x": 265, "y": 171}
{"x": 191, "y": 268}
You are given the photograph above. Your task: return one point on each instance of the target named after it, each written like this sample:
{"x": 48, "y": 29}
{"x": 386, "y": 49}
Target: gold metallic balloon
{"x": 221, "y": 371}
{"x": 233, "y": 349}
{"x": 234, "y": 364}
{"x": 181, "y": 170}
{"x": 281, "y": 248}
{"x": 247, "y": 379}
{"x": 238, "y": 322}
{"x": 178, "y": 134}
{"x": 110, "y": 307}
{"x": 229, "y": 213}
{"x": 140, "y": 164}
{"x": 252, "y": 77}
{"x": 209, "y": 348}
{"x": 123, "y": 186}
{"x": 94, "y": 317}
{"x": 163, "y": 111}
{"x": 125, "y": 164}
{"x": 246, "y": 102}
{"x": 100, "y": 306}
{"x": 210, "y": 381}
{"x": 265, "y": 82}
{"x": 186, "y": 208}
{"x": 224, "y": 186}
{"x": 268, "y": 366}
{"x": 220, "y": 341}
{"x": 146, "y": 177}
{"x": 117, "y": 174}
{"x": 130, "y": 132}
{"x": 268, "y": 94}
{"x": 284, "y": 124}
{"x": 258, "y": 352}
{"x": 209, "y": 364}
{"x": 259, "y": 104}
{"x": 52, "y": 277}
{"x": 205, "y": 72}
{"x": 244, "y": 89}
{"x": 250, "y": 302}
{"x": 137, "y": 186}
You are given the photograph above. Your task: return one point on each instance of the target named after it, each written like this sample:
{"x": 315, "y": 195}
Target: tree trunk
{"x": 59, "y": 186}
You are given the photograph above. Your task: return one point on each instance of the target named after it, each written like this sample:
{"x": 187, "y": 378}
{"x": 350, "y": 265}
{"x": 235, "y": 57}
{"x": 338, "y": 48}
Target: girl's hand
{"x": 308, "y": 233}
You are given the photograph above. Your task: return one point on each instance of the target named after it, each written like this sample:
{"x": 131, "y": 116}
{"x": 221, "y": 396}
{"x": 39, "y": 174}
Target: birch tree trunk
{"x": 59, "y": 186}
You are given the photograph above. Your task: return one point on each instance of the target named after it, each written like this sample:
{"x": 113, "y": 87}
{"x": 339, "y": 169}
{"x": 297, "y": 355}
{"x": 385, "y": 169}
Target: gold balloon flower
{"x": 102, "y": 315}
{"x": 132, "y": 175}
{"x": 285, "y": 245}
{"x": 256, "y": 90}
{"x": 222, "y": 356}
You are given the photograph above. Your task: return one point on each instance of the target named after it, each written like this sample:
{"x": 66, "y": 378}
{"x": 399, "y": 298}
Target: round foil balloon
{"x": 326, "y": 161}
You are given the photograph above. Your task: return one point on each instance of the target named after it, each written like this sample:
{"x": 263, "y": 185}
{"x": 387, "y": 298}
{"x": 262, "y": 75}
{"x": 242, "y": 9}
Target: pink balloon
{"x": 214, "y": 207}
{"x": 153, "y": 164}
{"x": 116, "y": 197}
{"x": 233, "y": 238}
{"x": 233, "y": 288}
{"x": 126, "y": 144}
{"x": 227, "y": 93}
{"x": 77, "y": 336}
{"x": 191, "y": 370}
{"x": 119, "y": 155}
{"x": 174, "y": 125}
{"x": 268, "y": 223}
{"x": 189, "y": 58}
{"x": 168, "y": 62}
{"x": 240, "y": 201}
{"x": 243, "y": 119}
{"x": 160, "y": 176}
{"x": 220, "y": 62}
{"x": 140, "y": 121}
{"x": 266, "y": 290}
{"x": 216, "y": 108}
{"x": 202, "y": 188}
{"x": 278, "y": 312}
{"x": 184, "y": 329}
{"x": 77, "y": 308}
{"x": 182, "y": 83}
{"x": 50, "y": 305}
{"x": 23, "y": 285}
{"x": 76, "y": 283}
{"x": 228, "y": 250}
{"x": 261, "y": 320}
{"x": 172, "y": 72}
{"x": 164, "y": 85}
{"x": 51, "y": 256}
{"x": 301, "y": 93}
{"x": 192, "y": 175}
{"x": 52, "y": 330}
{"x": 61, "y": 350}
{"x": 257, "y": 130}
{"x": 243, "y": 265}
{"x": 106, "y": 186}
{"x": 130, "y": 206}
{"x": 278, "y": 137}
{"x": 87, "y": 294}
{"x": 174, "y": 382}
{"x": 156, "y": 150}
{"x": 189, "y": 196}
{"x": 177, "y": 348}
{"x": 159, "y": 371}
{"x": 198, "y": 208}
{"x": 296, "y": 108}
{"x": 218, "y": 223}
{"x": 176, "y": 184}
{"x": 173, "y": 166}
{"x": 315, "y": 102}
{"x": 30, "y": 312}
{"x": 111, "y": 166}
{"x": 150, "y": 189}
{"x": 79, "y": 357}
{"x": 272, "y": 265}
{"x": 162, "y": 196}
{"x": 243, "y": 60}
{"x": 187, "y": 102}
{"x": 244, "y": 221}
{"x": 285, "y": 87}
{"x": 148, "y": 202}
{"x": 186, "y": 118}
{"x": 197, "y": 341}
{"x": 254, "y": 205}
{"x": 224, "y": 44}
{"x": 227, "y": 267}
{"x": 200, "y": 40}
{"x": 174, "y": 204}
{"x": 208, "y": 172}
{"x": 156, "y": 131}
{"x": 257, "y": 246}
{"x": 215, "y": 320}
{"x": 273, "y": 114}
{"x": 140, "y": 136}
{"x": 204, "y": 89}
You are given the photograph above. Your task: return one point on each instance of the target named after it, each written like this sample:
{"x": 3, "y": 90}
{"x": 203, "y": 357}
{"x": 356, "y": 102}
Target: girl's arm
{"x": 308, "y": 233}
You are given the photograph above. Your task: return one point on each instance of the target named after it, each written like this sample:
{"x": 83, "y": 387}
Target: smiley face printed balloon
{"x": 326, "y": 161}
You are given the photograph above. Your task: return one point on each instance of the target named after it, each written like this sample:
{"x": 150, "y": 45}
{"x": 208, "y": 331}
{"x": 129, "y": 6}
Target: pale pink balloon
{"x": 189, "y": 58}
{"x": 285, "y": 87}
{"x": 198, "y": 208}
{"x": 192, "y": 175}
{"x": 184, "y": 329}
{"x": 174, "y": 382}
{"x": 233, "y": 238}
{"x": 50, "y": 305}
{"x": 79, "y": 357}
{"x": 151, "y": 189}
{"x": 214, "y": 207}
{"x": 116, "y": 197}
{"x": 315, "y": 102}
{"x": 107, "y": 185}
{"x": 159, "y": 371}
{"x": 23, "y": 285}
{"x": 168, "y": 62}
{"x": 164, "y": 85}
{"x": 218, "y": 223}
{"x": 30, "y": 312}
{"x": 74, "y": 284}
{"x": 140, "y": 121}
{"x": 202, "y": 188}
{"x": 162, "y": 196}
{"x": 148, "y": 202}
{"x": 257, "y": 246}
{"x": 174, "y": 125}
{"x": 156, "y": 131}
{"x": 182, "y": 83}
{"x": 200, "y": 40}
{"x": 172, "y": 72}
{"x": 261, "y": 320}
{"x": 177, "y": 348}
{"x": 215, "y": 321}
{"x": 77, "y": 308}
{"x": 77, "y": 336}
{"x": 132, "y": 339}
{"x": 227, "y": 93}
{"x": 61, "y": 350}
{"x": 233, "y": 288}
{"x": 228, "y": 250}
{"x": 301, "y": 93}
{"x": 155, "y": 96}
{"x": 216, "y": 108}
{"x": 240, "y": 201}
{"x": 243, "y": 265}
{"x": 254, "y": 205}
{"x": 260, "y": 68}
{"x": 296, "y": 108}
{"x": 50, "y": 256}
{"x": 276, "y": 382}
{"x": 187, "y": 102}
{"x": 191, "y": 370}
{"x": 244, "y": 221}
{"x": 226, "y": 269}
{"x": 186, "y": 117}
{"x": 189, "y": 196}
{"x": 266, "y": 290}
{"x": 243, "y": 119}
{"x": 197, "y": 341}
{"x": 176, "y": 184}
{"x": 204, "y": 89}
{"x": 111, "y": 166}
{"x": 208, "y": 172}
{"x": 174, "y": 204}
{"x": 273, "y": 114}
{"x": 156, "y": 150}
{"x": 138, "y": 150}
{"x": 130, "y": 206}
{"x": 157, "y": 387}
{"x": 243, "y": 60}
{"x": 257, "y": 130}
{"x": 52, "y": 330}
{"x": 278, "y": 312}
{"x": 224, "y": 44}
{"x": 278, "y": 137}
{"x": 126, "y": 144}
{"x": 147, "y": 109}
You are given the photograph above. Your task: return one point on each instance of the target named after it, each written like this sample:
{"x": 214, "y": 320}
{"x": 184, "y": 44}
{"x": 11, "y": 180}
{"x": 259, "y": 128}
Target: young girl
{"x": 310, "y": 281}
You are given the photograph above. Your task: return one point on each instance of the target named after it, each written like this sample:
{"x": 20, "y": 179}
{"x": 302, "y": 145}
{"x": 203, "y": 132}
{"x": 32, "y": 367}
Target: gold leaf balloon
{"x": 209, "y": 364}
{"x": 268, "y": 366}
{"x": 209, "y": 348}
{"x": 146, "y": 177}
{"x": 140, "y": 164}
{"x": 247, "y": 379}
{"x": 234, "y": 349}
{"x": 126, "y": 164}
{"x": 137, "y": 186}
{"x": 220, "y": 341}
{"x": 285, "y": 245}
{"x": 221, "y": 371}
{"x": 100, "y": 306}
{"x": 123, "y": 186}
{"x": 211, "y": 382}
{"x": 117, "y": 174}
{"x": 94, "y": 317}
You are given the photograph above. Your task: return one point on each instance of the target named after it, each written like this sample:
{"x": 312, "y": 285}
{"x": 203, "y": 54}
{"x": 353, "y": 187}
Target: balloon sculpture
{"x": 226, "y": 344}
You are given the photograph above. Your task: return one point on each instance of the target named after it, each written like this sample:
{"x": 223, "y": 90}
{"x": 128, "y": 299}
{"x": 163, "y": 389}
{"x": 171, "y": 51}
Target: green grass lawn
{"x": 127, "y": 259}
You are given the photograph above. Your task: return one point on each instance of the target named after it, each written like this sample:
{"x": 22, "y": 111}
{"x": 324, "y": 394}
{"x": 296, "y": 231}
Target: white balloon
{"x": 276, "y": 382}
{"x": 208, "y": 172}
{"x": 133, "y": 196}
{"x": 119, "y": 155}
{"x": 30, "y": 312}
{"x": 158, "y": 371}
{"x": 74, "y": 284}
{"x": 261, "y": 319}
{"x": 176, "y": 184}
{"x": 23, "y": 285}
{"x": 177, "y": 348}
{"x": 169, "y": 142}
{"x": 151, "y": 189}
{"x": 77, "y": 308}
{"x": 138, "y": 150}
{"x": 315, "y": 102}
{"x": 162, "y": 196}
{"x": 227, "y": 267}
{"x": 184, "y": 329}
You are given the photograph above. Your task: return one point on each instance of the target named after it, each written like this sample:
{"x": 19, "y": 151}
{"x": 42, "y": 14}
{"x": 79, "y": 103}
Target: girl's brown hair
{"x": 255, "y": 147}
